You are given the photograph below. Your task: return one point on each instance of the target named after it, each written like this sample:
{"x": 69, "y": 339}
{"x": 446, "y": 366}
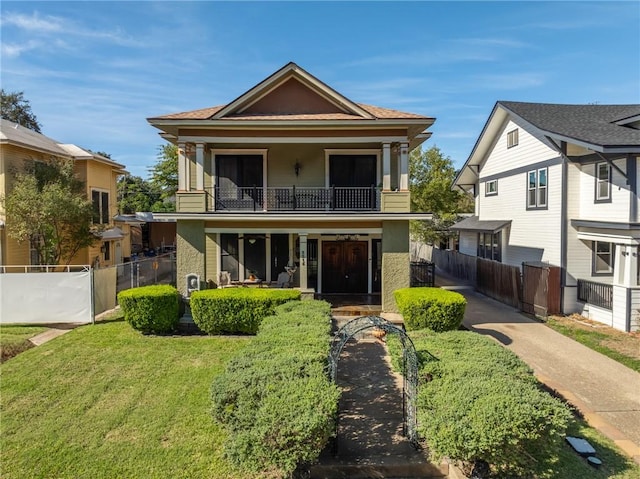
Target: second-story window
{"x": 491, "y": 188}
{"x": 512, "y": 138}
{"x": 100, "y": 202}
{"x": 537, "y": 188}
{"x": 603, "y": 182}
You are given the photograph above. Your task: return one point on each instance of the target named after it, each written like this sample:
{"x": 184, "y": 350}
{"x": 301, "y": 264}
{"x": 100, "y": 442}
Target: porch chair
{"x": 224, "y": 280}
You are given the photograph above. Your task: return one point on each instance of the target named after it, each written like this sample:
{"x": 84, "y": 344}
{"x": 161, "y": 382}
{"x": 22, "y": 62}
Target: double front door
{"x": 344, "y": 267}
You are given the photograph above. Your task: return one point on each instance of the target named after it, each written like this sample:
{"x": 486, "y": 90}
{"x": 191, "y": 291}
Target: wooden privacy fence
{"x": 540, "y": 289}
{"x": 456, "y": 264}
{"x": 499, "y": 281}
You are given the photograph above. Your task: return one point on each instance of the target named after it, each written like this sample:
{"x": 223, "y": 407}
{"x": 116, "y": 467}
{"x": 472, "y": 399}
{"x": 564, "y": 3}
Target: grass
{"x": 104, "y": 401}
{"x": 617, "y": 345}
{"x": 15, "y": 339}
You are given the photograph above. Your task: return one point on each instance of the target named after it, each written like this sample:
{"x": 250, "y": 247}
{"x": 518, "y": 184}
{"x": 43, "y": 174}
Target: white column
{"x": 404, "y": 166}
{"x": 200, "y": 166}
{"x": 303, "y": 261}
{"x": 182, "y": 167}
{"x": 386, "y": 166}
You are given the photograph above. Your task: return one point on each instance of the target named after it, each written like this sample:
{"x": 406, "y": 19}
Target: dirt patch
{"x": 624, "y": 343}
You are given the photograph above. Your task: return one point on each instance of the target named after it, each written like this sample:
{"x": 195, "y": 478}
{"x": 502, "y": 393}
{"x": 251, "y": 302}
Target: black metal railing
{"x": 293, "y": 198}
{"x": 422, "y": 274}
{"x": 598, "y": 294}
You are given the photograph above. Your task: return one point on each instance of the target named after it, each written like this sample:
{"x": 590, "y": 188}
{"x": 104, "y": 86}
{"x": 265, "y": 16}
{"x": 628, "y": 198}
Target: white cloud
{"x": 33, "y": 23}
{"x": 12, "y": 50}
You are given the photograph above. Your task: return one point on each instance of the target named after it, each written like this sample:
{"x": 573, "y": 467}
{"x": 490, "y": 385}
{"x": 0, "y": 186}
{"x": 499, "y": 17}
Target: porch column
{"x": 182, "y": 167}
{"x": 303, "y": 261}
{"x": 200, "y": 166}
{"x": 386, "y": 166}
{"x": 625, "y": 265}
{"x": 404, "y": 166}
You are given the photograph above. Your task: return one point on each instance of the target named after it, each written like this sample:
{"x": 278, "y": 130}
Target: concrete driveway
{"x": 606, "y": 392}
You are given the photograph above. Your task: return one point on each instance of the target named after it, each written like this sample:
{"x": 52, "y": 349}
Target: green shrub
{"x": 275, "y": 399}
{"x": 151, "y": 309}
{"x": 236, "y": 310}
{"x": 433, "y": 308}
{"x": 480, "y": 401}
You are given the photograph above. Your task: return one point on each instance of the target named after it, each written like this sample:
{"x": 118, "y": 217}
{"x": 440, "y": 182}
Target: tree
{"x": 431, "y": 180}
{"x": 48, "y": 207}
{"x": 135, "y": 194}
{"x": 164, "y": 175}
{"x": 15, "y": 108}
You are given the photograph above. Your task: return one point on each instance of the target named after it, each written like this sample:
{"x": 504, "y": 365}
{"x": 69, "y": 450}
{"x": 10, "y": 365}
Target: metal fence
{"x": 422, "y": 274}
{"x": 146, "y": 271}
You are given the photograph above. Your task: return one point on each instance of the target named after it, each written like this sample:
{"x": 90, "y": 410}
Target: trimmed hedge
{"x": 236, "y": 310}
{"x": 151, "y": 309}
{"x": 432, "y": 308}
{"x": 275, "y": 399}
{"x": 479, "y": 401}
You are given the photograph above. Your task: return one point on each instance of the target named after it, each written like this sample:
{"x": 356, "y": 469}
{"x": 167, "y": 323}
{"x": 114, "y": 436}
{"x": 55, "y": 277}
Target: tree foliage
{"x": 48, "y": 206}
{"x": 15, "y": 108}
{"x": 431, "y": 178}
{"x": 164, "y": 174}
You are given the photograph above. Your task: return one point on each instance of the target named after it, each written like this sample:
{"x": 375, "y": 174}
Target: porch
{"x": 262, "y": 198}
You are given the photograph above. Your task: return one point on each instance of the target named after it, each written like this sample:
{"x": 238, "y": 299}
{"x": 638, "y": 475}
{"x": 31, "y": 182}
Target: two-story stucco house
{"x": 293, "y": 173}
{"x": 559, "y": 184}
{"x": 99, "y": 174}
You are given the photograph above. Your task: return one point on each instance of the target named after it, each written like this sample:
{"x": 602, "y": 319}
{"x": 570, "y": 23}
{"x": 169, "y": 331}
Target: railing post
{"x": 255, "y": 195}
{"x": 333, "y": 197}
{"x": 295, "y": 199}
{"x": 372, "y": 197}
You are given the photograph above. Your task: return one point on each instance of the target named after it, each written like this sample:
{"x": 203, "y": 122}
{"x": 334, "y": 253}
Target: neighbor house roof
{"x": 600, "y": 128}
{"x": 14, "y": 134}
{"x": 473, "y": 223}
{"x": 593, "y": 124}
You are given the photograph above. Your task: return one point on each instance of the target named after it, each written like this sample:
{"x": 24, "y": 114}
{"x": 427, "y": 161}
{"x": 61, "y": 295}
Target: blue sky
{"x": 94, "y": 71}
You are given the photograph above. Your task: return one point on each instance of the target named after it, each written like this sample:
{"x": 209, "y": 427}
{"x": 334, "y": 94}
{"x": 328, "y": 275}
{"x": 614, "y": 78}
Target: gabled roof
{"x": 601, "y": 128}
{"x": 277, "y": 99}
{"x": 595, "y": 125}
{"x": 14, "y": 134}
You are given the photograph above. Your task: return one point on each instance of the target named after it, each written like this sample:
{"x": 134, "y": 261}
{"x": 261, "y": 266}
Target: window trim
{"x": 594, "y": 258}
{"x": 513, "y": 138}
{"x": 101, "y": 193}
{"x": 537, "y": 205}
{"x": 598, "y": 181}
{"x": 486, "y": 188}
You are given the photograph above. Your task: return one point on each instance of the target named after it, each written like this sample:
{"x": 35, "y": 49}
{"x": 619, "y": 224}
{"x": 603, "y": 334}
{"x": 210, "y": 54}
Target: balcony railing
{"x": 598, "y": 294}
{"x": 258, "y": 198}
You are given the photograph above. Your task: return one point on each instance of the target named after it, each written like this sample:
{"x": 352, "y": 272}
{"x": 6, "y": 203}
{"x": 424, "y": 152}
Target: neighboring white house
{"x": 559, "y": 184}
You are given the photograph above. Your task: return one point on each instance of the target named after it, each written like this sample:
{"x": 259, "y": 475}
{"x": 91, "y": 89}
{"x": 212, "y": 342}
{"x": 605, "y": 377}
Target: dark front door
{"x": 344, "y": 267}
{"x": 279, "y": 254}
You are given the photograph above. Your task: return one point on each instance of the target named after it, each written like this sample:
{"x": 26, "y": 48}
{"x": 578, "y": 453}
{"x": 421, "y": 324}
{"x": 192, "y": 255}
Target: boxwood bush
{"x": 274, "y": 398}
{"x": 432, "y": 308}
{"x": 151, "y": 309}
{"x": 479, "y": 401}
{"x": 236, "y": 310}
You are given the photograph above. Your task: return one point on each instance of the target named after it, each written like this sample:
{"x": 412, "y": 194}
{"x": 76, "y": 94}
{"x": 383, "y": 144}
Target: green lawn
{"x": 619, "y": 346}
{"x": 104, "y": 401}
{"x": 14, "y": 339}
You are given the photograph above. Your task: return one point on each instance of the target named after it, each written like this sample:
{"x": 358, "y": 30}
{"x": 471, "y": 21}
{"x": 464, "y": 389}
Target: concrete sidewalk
{"x": 603, "y": 390}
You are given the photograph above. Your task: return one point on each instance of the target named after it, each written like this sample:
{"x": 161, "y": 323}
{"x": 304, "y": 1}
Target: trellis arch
{"x": 409, "y": 365}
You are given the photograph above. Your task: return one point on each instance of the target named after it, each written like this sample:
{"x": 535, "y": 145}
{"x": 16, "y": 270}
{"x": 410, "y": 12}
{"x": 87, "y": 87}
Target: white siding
{"x": 468, "y": 243}
{"x": 620, "y": 311}
{"x": 594, "y": 313}
{"x": 617, "y": 209}
{"x": 534, "y": 234}
{"x": 635, "y": 310}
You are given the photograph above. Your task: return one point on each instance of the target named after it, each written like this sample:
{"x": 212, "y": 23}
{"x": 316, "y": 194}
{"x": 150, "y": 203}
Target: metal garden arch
{"x": 409, "y": 365}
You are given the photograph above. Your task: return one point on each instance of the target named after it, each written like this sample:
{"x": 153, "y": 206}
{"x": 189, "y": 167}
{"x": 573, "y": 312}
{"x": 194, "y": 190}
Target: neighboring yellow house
{"x": 294, "y": 174}
{"x": 100, "y": 174}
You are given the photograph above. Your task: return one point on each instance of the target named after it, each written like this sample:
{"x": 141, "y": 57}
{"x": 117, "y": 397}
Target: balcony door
{"x": 239, "y": 181}
{"x": 344, "y": 267}
{"x": 353, "y": 176}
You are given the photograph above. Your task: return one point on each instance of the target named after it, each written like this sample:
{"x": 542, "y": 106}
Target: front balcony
{"x": 293, "y": 198}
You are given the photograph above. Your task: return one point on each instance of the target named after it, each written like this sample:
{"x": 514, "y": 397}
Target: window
{"x": 106, "y": 250}
{"x": 490, "y": 246}
{"x": 602, "y": 258}
{"x": 491, "y": 188}
{"x": 100, "y": 201}
{"x": 512, "y": 138}
{"x": 537, "y": 189}
{"x": 603, "y": 182}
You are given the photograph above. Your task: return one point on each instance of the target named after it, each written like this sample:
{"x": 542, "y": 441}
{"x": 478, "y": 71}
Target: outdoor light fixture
{"x": 252, "y": 240}
{"x": 297, "y": 167}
